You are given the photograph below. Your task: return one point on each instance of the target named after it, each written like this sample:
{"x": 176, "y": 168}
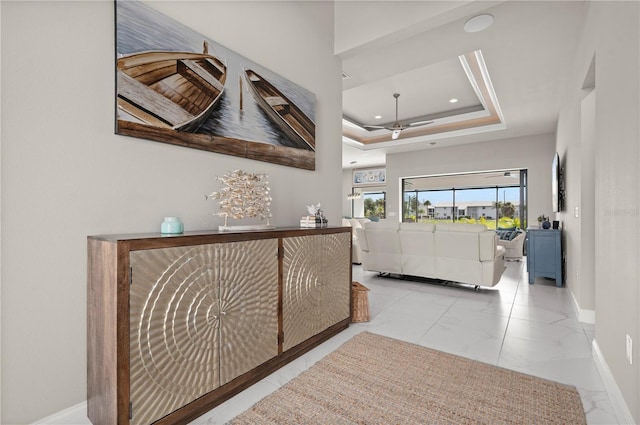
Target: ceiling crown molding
{"x": 458, "y": 123}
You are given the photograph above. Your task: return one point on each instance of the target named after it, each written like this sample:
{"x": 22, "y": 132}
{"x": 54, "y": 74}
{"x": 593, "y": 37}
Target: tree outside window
{"x": 374, "y": 204}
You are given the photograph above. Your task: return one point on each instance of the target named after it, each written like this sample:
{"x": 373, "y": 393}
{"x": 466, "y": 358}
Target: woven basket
{"x": 359, "y": 302}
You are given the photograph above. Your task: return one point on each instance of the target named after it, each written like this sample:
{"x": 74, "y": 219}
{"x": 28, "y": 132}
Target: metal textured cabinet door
{"x": 248, "y": 306}
{"x": 316, "y": 285}
{"x": 200, "y": 316}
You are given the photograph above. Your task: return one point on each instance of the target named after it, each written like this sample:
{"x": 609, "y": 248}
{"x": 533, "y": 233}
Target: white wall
{"x": 65, "y": 175}
{"x": 347, "y": 183}
{"x": 354, "y": 208}
{"x": 586, "y": 212}
{"x": 605, "y": 187}
{"x": 574, "y": 144}
{"x": 0, "y": 221}
{"x": 534, "y": 153}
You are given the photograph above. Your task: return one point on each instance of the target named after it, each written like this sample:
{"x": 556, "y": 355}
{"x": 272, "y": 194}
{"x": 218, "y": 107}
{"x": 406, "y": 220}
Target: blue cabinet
{"x": 544, "y": 254}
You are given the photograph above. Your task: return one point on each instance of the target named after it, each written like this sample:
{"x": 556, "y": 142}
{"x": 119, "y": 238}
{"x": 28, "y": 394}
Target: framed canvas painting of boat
{"x": 176, "y": 86}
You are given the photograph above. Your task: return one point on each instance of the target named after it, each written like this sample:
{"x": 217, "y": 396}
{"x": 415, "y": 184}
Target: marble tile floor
{"x": 528, "y": 328}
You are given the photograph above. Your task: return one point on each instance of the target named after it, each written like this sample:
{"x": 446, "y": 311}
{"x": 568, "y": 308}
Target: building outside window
{"x": 496, "y": 206}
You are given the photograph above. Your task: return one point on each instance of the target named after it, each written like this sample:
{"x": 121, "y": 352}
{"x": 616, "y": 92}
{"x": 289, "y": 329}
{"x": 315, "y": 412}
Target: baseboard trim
{"x": 62, "y": 416}
{"x": 618, "y": 404}
{"x": 587, "y": 316}
{"x": 584, "y": 316}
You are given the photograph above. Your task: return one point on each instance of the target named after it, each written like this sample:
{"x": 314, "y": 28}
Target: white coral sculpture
{"x": 313, "y": 209}
{"x": 243, "y": 195}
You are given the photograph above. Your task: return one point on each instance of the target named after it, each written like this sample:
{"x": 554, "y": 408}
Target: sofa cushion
{"x": 382, "y": 225}
{"x": 461, "y": 227}
{"x": 502, "y": 234}
{"x": 383, "y": 246}
{"x": 361, "y": 220}
{"x": 507, "y": 235}
{"x": 418, "y": 227}
{"x": 418, "y": 246}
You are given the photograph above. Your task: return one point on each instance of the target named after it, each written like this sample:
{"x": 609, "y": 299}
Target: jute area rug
{"x": 372, "y": 379}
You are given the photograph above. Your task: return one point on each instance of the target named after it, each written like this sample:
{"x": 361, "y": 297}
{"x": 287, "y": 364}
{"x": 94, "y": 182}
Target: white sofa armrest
{"x": 514, "y": 247}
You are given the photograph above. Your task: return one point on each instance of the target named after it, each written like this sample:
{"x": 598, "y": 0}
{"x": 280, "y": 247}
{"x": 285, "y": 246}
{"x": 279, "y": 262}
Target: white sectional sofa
{"x": 465, "y": 253}
{"x": 355, "y": 223}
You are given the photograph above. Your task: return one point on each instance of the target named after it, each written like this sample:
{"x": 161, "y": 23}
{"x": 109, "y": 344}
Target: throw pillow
{"x": 512, "y": 235}
{"x": 502, "y": 234}
{"x": 507, "y": 235}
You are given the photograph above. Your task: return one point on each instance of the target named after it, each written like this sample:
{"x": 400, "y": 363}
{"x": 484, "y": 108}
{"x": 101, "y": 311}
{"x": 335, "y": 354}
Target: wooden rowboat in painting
{"x": 172, "y": 90}
{"x": 281, "y": 111}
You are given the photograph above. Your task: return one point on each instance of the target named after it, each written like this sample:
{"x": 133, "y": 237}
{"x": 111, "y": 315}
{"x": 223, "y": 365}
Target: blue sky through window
{"x": 507, "y": 194}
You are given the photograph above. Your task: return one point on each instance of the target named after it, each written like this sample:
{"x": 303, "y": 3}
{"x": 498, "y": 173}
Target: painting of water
{"x": 174, "y": 85}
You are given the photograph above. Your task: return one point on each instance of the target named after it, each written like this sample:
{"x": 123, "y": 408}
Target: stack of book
{"x": 312, "y": 221}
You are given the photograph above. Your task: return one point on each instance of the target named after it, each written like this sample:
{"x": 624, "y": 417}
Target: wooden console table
{"x": 544, "y": 254}
{"x": 178, "y": 324}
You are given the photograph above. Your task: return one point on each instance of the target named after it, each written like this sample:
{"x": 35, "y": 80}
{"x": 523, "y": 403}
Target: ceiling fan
{"x": 396, "y": 128}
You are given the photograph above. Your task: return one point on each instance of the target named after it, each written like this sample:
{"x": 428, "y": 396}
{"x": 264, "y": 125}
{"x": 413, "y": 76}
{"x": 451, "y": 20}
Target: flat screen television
{"x": 555, "y": 184}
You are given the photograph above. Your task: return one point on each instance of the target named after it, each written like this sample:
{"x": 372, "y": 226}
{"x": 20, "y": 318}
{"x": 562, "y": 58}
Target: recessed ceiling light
{"x": 478, "y": 23}
{"x": 453, "y": 100}
{"x": 378, "y": 117}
